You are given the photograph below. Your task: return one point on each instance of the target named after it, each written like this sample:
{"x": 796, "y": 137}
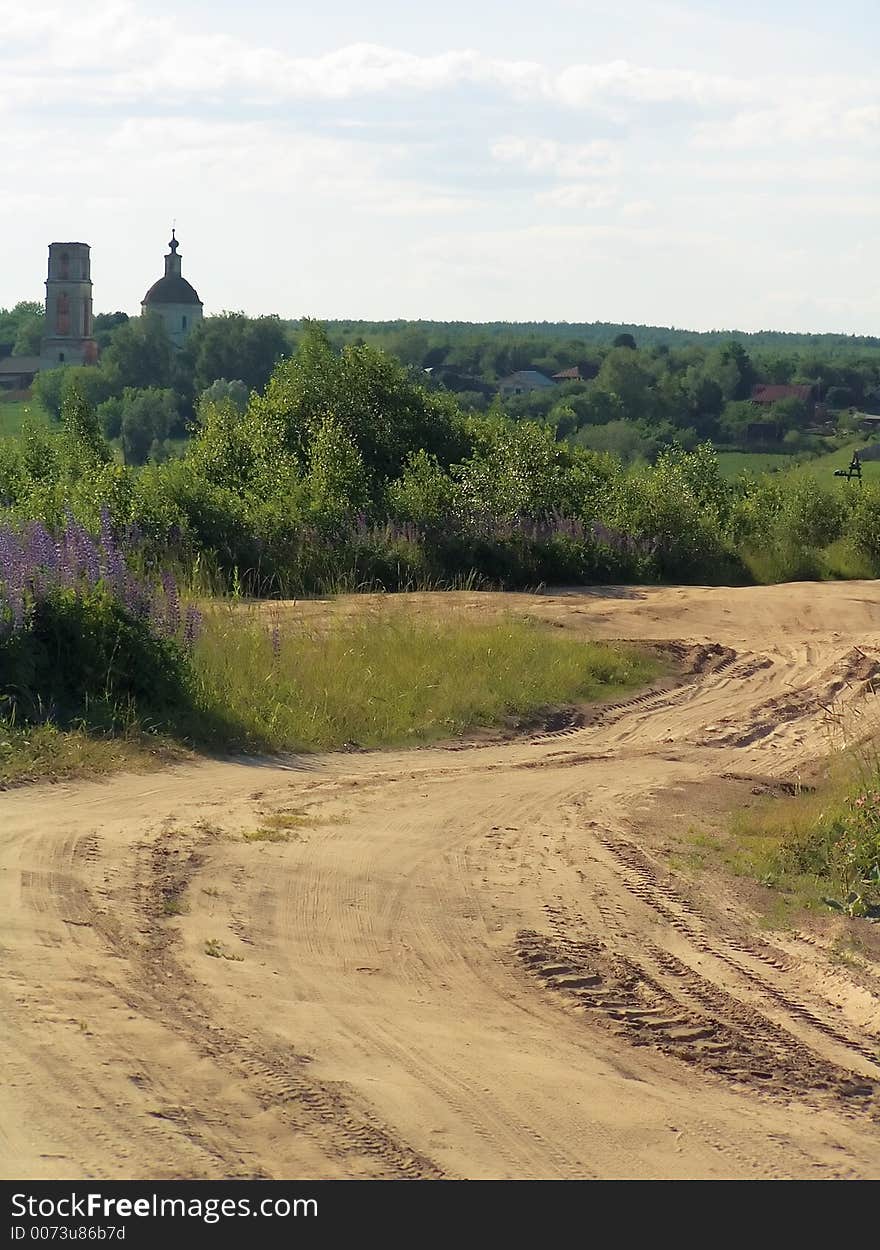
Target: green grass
{"x": 392, "y": 676}
{"x": 839, "y": 561}
{"x": 46, "y": 753}
{"x": 14, "y": 413}
{"x": 387, "y": 676}
{"x": 266, "y": 835}
{"x": 791, "y": 844}
{"x": 732, "y": 463}
{"x": 823, "y": 467}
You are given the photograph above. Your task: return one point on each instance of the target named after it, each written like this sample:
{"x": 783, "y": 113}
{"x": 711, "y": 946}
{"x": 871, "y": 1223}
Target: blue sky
{"x": 695, "y": 164}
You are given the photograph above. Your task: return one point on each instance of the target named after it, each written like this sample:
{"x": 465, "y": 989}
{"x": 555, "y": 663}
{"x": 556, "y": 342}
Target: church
{"x": 173, "y": 299}
{"x": 69, "y": 318}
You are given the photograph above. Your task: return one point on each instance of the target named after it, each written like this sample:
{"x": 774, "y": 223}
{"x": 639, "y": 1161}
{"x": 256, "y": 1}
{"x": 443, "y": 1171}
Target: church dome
{"x": 171, "y": 289}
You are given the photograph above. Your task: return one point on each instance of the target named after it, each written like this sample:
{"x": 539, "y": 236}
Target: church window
{"x": 183, "y": 323}
{"x": 62, "y": 324}
{"x": 61, "y": 358}
{"x": 65, "y": 267}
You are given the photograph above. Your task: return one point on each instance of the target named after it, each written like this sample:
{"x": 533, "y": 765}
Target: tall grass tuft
{"x": 392, "y": 676}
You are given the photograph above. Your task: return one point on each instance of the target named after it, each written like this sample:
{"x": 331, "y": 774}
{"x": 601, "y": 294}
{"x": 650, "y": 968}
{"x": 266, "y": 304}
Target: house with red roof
{"x": 765, "y": 394}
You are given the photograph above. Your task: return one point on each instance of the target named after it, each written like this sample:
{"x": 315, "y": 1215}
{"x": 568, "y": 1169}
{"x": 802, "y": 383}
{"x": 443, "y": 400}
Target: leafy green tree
{"x": 147, "y": 418}
{"x": 424, "y": 493}
{"x": 791, "y": 413}
{"x": 624, "y": 376}
{"x": 516, "y": 470}
{"x": 623, "y": 439}
{"x": 82, "y": 430}
{"x": 371, "y": 397}
{"x": 236, "y": 392}
{"x": 52, "y": 387}
{"x": 48, "y": 389}
{"x": 735, "y": 419}
{"x": 724, "y": 370}
{"x": 624, "y": 340}
{"x": 12, "y": 322}
{"x": 235, "y": 346}
{"x": 29, "y": 337}
{"x": 94, "y": 384}
{"x": 110, "y": 416}
{"x": 336, "y": 484}
{"x": 140, "y": 353}
{"x": 812, "y": 515}
{"x": 410, "y": 345}
{"x": 104, "y": 324}
{"x": 839, "y": 397}
{"x": 737, "y": 354}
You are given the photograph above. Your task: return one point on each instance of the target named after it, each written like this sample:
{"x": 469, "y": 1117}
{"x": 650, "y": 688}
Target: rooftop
{"x": 771, "y": 394}
{"x": 172, "y": 289}
{"x": 20, "y": 364}
{"x": 527, "y": 375}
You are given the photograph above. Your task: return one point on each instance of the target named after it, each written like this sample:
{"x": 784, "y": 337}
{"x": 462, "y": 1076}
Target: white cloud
{"x": 562, "y": 160}
{"x": 580, "y": 85}
{"x": 362, "y": 162}
{"x": 577, "y": 195}
{"x": 637, "y": 210}
{"x": 113, "y": 50}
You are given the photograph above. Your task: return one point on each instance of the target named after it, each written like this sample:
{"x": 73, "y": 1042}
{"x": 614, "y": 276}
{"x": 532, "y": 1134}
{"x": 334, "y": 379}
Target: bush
{"x": 863, "y": 524}
{"x": 85, "y": 659}
{"x": 81, "y": 638}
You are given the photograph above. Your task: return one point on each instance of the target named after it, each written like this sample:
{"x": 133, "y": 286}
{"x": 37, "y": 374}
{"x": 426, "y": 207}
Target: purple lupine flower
{"x": 34, "y": 564}
{"x": 172, "y": 603}
{"x": 192, "y": 625}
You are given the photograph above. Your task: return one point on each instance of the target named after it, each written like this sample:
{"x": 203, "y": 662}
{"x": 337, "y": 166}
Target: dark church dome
{"x": 172, "y": 289}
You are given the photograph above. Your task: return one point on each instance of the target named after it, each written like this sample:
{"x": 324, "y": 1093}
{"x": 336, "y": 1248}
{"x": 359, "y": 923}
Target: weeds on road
{"x": 215, "y": 948}
{"x": 266, "y": 835}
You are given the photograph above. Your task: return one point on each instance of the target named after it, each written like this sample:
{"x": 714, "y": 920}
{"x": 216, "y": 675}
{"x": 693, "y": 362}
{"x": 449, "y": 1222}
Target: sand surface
{"x": 470, "y": 962}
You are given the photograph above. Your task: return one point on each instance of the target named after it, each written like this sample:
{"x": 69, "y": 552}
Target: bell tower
{"x": 68, "y": 336}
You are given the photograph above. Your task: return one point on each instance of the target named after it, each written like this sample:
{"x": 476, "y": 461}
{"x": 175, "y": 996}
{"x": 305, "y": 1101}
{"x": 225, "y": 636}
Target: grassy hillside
{"x": 13, "y": 414}
{"x": 823, "y": 467}
{"x": 732, "y": 463}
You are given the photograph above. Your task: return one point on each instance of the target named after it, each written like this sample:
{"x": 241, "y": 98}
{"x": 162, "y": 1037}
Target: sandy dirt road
{"x": 466, "y": 962}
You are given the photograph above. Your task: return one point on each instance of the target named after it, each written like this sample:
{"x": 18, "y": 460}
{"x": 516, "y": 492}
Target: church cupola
{"x": 173, "y": 298}
{"x": 172, "y": 260}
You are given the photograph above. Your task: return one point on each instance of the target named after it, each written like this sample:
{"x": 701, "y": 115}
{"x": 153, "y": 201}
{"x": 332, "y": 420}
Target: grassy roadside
{"x": 389, "y": 676}
{"x": 814, "y": 850}
{"x": 394, "y": 677}
{"x": 47, "y": 753}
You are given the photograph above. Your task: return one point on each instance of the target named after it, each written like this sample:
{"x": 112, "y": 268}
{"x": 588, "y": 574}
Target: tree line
{"x": 346, "y": 470}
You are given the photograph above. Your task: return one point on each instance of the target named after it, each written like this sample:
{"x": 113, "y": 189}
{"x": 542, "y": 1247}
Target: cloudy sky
{"x": 694, "y": 163}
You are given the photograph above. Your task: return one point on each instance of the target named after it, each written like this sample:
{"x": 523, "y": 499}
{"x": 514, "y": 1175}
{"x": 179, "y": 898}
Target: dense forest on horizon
{"x": 631, "y": 393}
{"x": 601, "y": 333}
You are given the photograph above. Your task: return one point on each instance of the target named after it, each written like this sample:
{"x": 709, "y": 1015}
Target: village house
{"x": 765, "y": 394}
{"x": 17, "y": 373}
{"x": 523, "y": 382}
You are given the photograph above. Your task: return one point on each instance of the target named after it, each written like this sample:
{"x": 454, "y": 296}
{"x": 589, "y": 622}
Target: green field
{"x": 14, "y": 413}
{"x": 823, "y": 467}
{"x": 732, "y": 463}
